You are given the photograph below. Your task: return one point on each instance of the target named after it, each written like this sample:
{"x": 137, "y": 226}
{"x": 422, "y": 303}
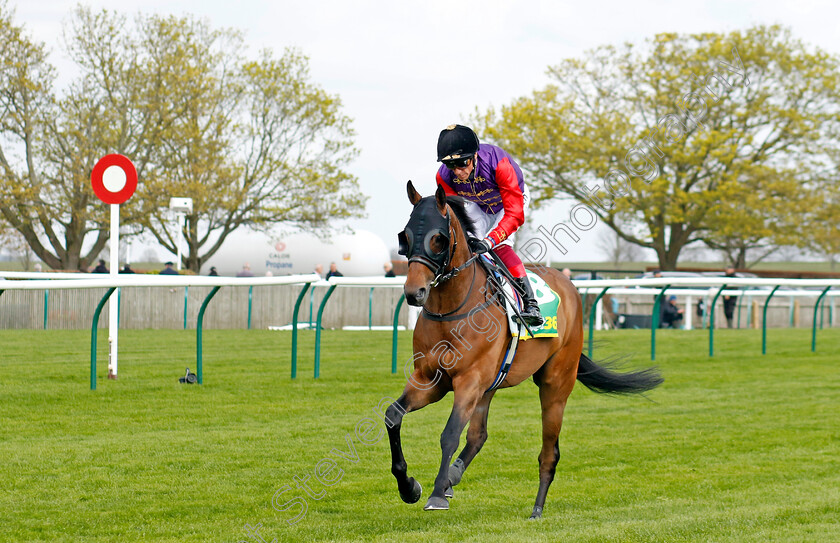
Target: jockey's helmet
{"x": 456, "y": 141}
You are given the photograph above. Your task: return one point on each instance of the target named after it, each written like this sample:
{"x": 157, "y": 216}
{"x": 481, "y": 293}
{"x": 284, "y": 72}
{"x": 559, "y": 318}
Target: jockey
{"x": 497, "y": 199}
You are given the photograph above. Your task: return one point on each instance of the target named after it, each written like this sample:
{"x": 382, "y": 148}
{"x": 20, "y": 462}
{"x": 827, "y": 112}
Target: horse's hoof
{"x": 537, "y": 514}
{"x": 416, "y": 492}
{"x": 436, "y": 504}
{"x": 449, "y": 493}
{"x": 456, "y": 471}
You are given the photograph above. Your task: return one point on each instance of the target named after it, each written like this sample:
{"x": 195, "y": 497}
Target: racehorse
{"x": 459, "y": 344}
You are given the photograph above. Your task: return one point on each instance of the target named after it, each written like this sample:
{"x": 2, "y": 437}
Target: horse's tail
{"x": 604, "y": 380}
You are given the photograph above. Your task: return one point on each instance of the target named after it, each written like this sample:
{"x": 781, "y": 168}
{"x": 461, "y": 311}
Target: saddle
{"x": 548, "y": 300}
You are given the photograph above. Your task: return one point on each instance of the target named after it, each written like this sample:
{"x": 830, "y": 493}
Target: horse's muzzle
{"x": 416, "y": 296}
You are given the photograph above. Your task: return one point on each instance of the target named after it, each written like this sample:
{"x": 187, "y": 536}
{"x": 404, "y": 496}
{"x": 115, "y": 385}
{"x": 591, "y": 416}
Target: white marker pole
{"x": 113, "y": 302}
{"x": 113, "y": 180}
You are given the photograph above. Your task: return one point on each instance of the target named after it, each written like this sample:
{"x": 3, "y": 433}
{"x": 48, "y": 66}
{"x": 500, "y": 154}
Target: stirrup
{"x": 531, "y": 319}
{"x": 530, "y": 310}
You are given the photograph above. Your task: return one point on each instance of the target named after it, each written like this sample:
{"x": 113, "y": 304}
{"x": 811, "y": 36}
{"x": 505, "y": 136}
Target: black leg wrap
{"x": 456, "y": 471}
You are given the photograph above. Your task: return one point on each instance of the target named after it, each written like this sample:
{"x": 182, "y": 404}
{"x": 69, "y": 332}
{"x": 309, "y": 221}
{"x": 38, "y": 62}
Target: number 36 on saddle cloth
{"x": 547, "y": 299}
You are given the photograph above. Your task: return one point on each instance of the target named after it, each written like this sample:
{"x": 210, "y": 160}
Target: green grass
{"x": 740, "y": 447}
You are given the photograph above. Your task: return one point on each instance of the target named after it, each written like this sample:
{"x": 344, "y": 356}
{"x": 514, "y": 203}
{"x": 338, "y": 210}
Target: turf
{"x": 739, "y": 447}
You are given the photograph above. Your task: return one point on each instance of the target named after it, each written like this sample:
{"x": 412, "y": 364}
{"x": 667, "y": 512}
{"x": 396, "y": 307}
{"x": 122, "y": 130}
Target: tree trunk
{"x": 741, "y": 260}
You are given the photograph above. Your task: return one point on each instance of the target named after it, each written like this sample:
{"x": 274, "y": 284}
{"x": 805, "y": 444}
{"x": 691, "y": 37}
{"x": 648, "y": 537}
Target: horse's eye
{"x": 438, "y": 243}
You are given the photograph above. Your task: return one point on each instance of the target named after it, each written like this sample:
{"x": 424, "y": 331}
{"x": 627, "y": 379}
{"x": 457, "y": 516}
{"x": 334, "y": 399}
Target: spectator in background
{"x": 127, "y": 268}
{"x": 319, "y": 269}
{"x": 334, "y": 271}
{"x": 729, "y": 301}
{"x": 245, "y": 271}
{"x": 567, "y": 272}
{"x": 389, "y": 270}
{"x": 38, "y": 267}
{"x": 168, "y": 269}
{"x": 213, "y": 272}
{"x": 671, "y": 314}
{"x": 100, "y": 268}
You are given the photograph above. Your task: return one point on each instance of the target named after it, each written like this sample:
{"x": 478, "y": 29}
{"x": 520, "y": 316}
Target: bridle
{"x": 441, "y": 275}
{"x": 433, "y": 262}
{"x": 437, "y": 262}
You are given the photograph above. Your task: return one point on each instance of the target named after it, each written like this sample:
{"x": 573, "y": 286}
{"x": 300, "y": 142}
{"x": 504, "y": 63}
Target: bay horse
{"x": 459, "y": 344}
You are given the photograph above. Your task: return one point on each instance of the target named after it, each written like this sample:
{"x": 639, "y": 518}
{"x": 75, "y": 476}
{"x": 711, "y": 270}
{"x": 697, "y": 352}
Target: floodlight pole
{"x": 113, "y": 303}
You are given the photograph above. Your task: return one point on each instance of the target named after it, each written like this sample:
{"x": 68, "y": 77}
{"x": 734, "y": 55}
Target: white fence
{"x": 161, "y": 301}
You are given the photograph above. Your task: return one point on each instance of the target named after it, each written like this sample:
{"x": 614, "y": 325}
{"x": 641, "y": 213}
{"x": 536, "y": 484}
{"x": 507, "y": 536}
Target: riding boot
{"x": 530, "y": 311}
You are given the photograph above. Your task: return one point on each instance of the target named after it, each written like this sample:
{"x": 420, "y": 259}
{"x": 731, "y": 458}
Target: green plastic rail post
{"x": 396, "y": 335}
{"x": 816, "y": 310}
{"x": 250, "y": 298}
{"x": 199, "y": 325}
{"x": 318, "y": 331}
{"x": 370, "y": 309}
{"x": 764, "y": 321}
{"x": 791, "y": 307}
{"x": 295, "y": 327}
{"x": 93, "y": 328}
{"x": 186, "y": 298}
{"x": 712, "y": 321}
{"x": 592, "y": 316}
{"x": 46, "y": 307}
{"x": 654, "y": 320}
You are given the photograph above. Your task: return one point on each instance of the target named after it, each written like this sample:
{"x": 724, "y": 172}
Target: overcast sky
{"x": 404, "y": 70}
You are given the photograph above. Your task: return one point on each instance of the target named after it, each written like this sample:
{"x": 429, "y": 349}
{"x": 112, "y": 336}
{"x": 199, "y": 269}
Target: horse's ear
{"x": 413, "y": 195}
{"x": 440, "y": 198}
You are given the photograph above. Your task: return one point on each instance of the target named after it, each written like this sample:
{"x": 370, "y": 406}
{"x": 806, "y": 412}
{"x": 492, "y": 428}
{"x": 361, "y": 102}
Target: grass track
{"x": 740, "y": 447}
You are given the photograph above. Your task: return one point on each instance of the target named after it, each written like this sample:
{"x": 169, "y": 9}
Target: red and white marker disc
{"x": 114, "y": 179}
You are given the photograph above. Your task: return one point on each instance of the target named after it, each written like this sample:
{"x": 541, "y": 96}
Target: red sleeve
{"x": 512, "y": 200}
{"x": 446, "y": 188}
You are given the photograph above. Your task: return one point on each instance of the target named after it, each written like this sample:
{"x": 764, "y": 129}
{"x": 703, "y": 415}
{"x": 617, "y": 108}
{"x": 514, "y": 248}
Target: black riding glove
{"x": 480, "y": 246}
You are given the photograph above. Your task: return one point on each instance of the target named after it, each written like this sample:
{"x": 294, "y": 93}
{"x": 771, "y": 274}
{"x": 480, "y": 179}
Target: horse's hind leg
{"x": 553, "y": 401}
{"x": 465, "y": 402}
{"x": 476, "y": 436}
{"x": 412, "y": 399}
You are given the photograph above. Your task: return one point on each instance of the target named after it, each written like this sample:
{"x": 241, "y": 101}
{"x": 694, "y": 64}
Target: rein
{"x": 444, "y": 277}
{"x": 450, "y": 315}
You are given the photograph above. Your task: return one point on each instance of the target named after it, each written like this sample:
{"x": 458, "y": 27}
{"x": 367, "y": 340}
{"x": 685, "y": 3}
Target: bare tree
{"x": 617, "y": 249}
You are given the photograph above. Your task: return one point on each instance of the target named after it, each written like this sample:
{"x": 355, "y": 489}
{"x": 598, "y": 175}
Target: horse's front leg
{"x": 466, "y": 398}
{"x": 412, "y": 399}
{"x": 476, "y": 436}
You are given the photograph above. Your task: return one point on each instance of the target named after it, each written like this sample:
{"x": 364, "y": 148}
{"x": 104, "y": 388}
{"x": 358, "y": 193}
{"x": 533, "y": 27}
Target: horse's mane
{"x": 457, "y": 205}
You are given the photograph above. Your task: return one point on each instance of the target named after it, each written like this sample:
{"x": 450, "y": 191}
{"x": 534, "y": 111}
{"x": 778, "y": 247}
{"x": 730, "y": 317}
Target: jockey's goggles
{"x": 462, "y": 162}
